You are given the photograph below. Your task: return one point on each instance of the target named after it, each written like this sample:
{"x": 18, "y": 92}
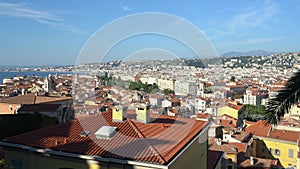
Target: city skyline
{"x": 53, "y": 33}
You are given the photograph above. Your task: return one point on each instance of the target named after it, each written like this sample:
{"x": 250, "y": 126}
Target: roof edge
{"x": 206, "y": 128}
{"x": 80, "y": 156}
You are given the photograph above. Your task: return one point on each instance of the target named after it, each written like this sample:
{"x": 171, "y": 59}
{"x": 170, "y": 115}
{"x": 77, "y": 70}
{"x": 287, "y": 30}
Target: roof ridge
{"x": 141, "y": 135}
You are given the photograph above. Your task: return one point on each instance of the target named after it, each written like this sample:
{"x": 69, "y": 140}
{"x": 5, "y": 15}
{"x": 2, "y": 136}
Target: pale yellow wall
{"x": 165, "y": 84}
{"x": 118, "y": 113}
{"x": 284, "y": 148}
{"x": 280, "y": 145}
{"x": 30, "y": 161}
{"x": 233, "y": 157}
{"x": 228, "y": 111}
{"x": 142, "y": 114}
{"x": 192, "y": 158}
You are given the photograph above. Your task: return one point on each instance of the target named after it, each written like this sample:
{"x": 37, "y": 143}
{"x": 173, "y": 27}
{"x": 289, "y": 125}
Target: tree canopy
{"x": 280, "y": 105}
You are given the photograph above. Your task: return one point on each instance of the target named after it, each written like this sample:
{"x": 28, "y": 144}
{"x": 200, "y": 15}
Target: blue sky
{"x": 44, "y": 32}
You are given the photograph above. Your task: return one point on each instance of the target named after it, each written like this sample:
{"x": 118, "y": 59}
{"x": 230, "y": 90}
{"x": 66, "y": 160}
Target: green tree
{"x": 254, "y": 113}
{"x": 281, "y": 104}
{"x": 232, "y": 79}
{"x": 168, "y": 91}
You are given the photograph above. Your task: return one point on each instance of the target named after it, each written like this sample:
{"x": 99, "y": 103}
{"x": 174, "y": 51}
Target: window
{"x": 291, "y": 153}
{"x": 277, "y": 152}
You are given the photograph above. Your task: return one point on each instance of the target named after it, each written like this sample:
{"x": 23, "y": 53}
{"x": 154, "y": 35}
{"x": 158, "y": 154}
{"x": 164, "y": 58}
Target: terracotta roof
{"x": 238, "y": 134}
{"x": 156, "y": 142}
{"x": 259, "y": 163}
{"x": 29, "y": 99}
{"x": 262, "y": 129}
{"x": 227, "y": 147}
{"x": 235, "y": 106}
{"x": 226, "y": 121}
{"x": 203, "y": 115}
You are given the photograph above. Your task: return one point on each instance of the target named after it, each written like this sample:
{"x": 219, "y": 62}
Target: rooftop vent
{"x": 84, "y": 134}
{"x": 105, "y": 132}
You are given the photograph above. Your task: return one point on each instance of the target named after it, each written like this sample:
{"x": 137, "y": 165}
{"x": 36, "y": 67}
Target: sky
{"x": 44, "y": 32}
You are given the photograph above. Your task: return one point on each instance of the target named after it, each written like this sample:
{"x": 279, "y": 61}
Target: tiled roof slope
{"x": 261, "y": 128}
{"x": 29, "y": 99}
{"x": 156, "y": 142}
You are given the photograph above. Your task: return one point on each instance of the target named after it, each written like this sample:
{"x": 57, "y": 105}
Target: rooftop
{"x": 29, "y": 99}
{"x": 43, "y": 107}
{"x": 227, "y": 147}
{"x": 262, "y": 129}
{"x": 156, "y": 142}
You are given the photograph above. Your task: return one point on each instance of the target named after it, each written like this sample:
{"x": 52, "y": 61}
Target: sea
{"x": 10, "y": 74}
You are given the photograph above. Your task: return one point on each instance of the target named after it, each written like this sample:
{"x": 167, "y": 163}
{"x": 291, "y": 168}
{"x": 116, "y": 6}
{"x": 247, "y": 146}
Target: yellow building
{"x": 231, "y": 151}
{"x": 233, "y": 109}
{"x": 164, "y": 83}
{"x": 96, "y": 142}
{"x": 273, "y": 143}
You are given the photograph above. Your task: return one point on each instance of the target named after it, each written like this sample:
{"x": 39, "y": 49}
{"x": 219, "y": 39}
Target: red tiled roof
{"x": 29, "y": 99}
{"x": 235, "y": 106}
{"x": 156, "y": 142}
{"x": 226, "y": 121}
{"x": 259, "y": 163}
{"x": 227, "y": 147}
{"x": 203, "y": 115}
{"x": 262, "y": 129}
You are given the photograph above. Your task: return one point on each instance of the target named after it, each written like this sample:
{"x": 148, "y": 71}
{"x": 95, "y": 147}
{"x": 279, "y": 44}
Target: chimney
{"x": 219, "y": 142}
{"x": 34, "y": 99}
{"x": 55, "y": 143}
{"x": 235, "y": 149}
{"x": 65, "y": 140}
{"x": 142, "y": 113}
{"x": 251, "y": 160}
{"x": 119, "y": 113}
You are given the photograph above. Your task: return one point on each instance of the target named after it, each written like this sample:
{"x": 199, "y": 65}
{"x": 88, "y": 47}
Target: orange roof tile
{"x": 262, "y": 129}
{"x": 156, "y": 142}
{"x": 227, "y": 147}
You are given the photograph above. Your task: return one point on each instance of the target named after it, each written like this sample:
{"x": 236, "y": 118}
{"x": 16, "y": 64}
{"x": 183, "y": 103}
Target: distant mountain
{"x": 249, "y": 53}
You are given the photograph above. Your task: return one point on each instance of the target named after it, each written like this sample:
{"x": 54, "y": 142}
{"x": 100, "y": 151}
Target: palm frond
{"x": 280, "y": 105}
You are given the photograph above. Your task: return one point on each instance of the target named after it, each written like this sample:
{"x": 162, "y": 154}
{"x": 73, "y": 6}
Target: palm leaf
{"x": 280, "y": 105}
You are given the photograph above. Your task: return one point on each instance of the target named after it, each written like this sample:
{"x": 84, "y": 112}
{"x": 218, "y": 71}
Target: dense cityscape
{"x": 222, "y": 98}
{"x": 149, "y": 84}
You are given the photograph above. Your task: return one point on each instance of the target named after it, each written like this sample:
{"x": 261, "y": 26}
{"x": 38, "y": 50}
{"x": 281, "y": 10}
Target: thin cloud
{"x": 260, "y": 40}
{"x": 126, "y": 8}
{"x": 19, "y": 10}
{"x": 255, "y": 16}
